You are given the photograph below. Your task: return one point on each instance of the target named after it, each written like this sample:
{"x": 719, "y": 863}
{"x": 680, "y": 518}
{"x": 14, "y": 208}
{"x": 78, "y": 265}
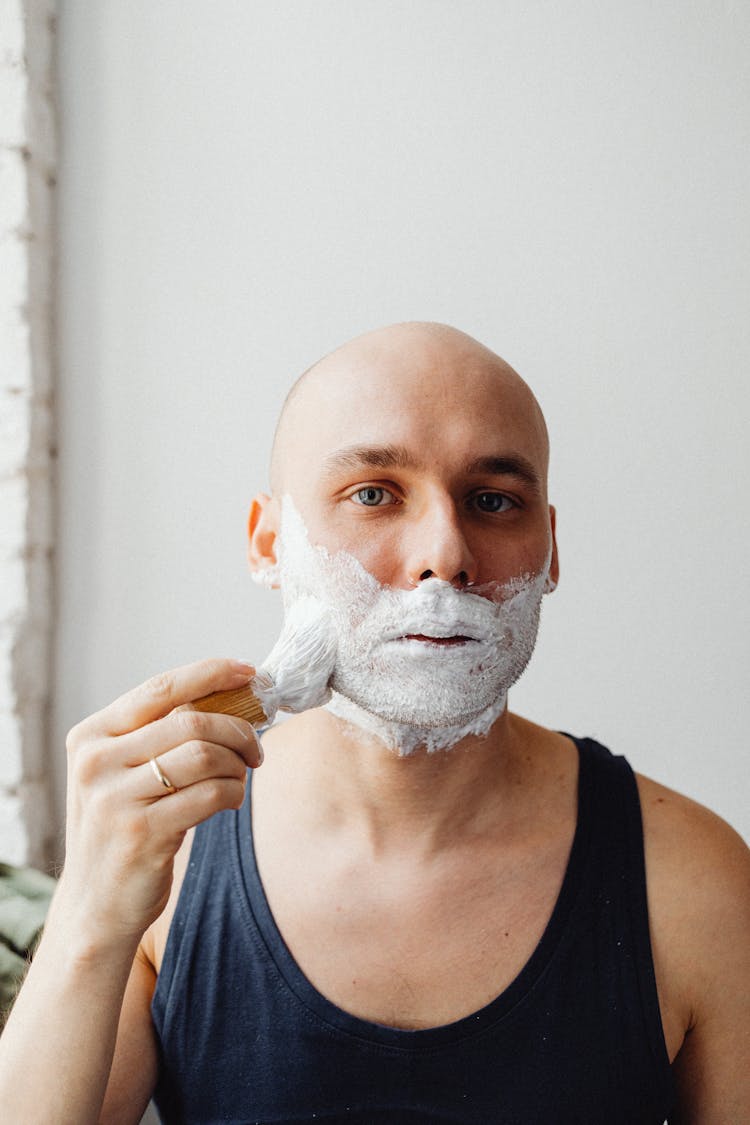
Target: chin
{"x": 405, "y": 737}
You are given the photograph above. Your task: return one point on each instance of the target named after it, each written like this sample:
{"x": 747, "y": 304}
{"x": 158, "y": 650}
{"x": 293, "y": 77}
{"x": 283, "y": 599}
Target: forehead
{"x": 438, "y": 399}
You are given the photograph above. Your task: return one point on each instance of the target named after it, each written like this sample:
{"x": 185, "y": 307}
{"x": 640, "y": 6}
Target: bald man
{"x": 422, "y": 907}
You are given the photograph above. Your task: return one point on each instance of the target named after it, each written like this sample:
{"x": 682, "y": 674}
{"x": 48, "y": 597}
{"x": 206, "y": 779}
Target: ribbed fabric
{"x": 575, "y": 1039}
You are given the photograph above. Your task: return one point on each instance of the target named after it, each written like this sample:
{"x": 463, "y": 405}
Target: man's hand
{"x": 124, "y": 827}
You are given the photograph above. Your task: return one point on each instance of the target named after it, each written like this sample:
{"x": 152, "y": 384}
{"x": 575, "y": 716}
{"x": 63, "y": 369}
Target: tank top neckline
{"x": 253, "y": 898}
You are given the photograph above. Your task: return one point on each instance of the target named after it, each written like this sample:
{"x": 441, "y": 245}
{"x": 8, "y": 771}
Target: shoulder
{"x": 691, "y": 847}
{"x": 698, "y": 881}
{"x": 694, "y": 859}
{"x": 698, "y": 884}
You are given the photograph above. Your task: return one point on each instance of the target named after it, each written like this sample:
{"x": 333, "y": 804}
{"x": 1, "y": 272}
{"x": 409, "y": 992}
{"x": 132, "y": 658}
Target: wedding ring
{"x": 161, "y": 777}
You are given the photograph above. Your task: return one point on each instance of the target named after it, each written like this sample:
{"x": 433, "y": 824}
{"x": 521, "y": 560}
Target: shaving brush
{"x": 295, "y": 675}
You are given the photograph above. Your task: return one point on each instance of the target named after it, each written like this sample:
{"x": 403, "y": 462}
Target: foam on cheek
{"x": 407, "y": 692}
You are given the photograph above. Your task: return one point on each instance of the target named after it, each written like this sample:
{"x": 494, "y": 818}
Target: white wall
{"x": 246, "y": 185}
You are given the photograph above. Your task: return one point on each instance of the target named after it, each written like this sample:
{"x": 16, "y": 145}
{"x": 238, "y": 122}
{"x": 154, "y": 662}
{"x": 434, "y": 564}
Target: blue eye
{"x": 372, "y": 497}
{"x": 493, "y": 502}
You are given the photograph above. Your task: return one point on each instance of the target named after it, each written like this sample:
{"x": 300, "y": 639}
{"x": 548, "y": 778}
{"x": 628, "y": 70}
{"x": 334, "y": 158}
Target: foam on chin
{"x": 405, "y": 738}
{"x": 409, "y": 692}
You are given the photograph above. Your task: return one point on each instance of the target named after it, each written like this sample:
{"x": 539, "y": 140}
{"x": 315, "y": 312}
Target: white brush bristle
{"x": 295, "y": 675}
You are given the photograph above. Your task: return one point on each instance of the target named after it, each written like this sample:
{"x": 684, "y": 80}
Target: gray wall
{"x": 244, "y": 186}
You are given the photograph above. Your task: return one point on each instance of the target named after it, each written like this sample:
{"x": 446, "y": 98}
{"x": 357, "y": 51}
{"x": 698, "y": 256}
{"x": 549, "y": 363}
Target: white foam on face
{"x": 408, "y": 692}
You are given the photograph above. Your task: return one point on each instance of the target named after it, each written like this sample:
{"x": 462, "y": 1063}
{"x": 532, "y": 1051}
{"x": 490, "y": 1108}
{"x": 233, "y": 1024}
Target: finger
{"x": 161, "y": 694}
{"x": 188, "y": 726}
{"x": 175, "y": 813}
{"x": 182, "y": 767}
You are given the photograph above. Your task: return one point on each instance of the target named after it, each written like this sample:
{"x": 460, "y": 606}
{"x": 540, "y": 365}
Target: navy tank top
{"x": 575, "y": 1039}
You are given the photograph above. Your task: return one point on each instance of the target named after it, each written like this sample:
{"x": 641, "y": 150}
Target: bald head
{"x": 402, "y": 364}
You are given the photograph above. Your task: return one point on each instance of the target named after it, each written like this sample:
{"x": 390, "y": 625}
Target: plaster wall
{"x": 27, "y": 181}
{"x": 244, "y": 186}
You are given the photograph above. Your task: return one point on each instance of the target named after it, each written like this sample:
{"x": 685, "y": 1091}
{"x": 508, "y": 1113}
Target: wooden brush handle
{"x": 241, "y": 702}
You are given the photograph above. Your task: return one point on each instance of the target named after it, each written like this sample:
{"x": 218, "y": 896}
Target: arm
{"x": 124, "y": 830}
{"x": 699, "y": 906}
{"x": 711, "y": 1069}
{"x": 134, "y": 1071}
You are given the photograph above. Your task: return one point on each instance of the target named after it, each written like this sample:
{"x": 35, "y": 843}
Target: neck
{"x": 424, "y": 802}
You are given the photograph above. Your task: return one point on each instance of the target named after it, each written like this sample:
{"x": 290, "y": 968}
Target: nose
{"x": 437, "y": 548}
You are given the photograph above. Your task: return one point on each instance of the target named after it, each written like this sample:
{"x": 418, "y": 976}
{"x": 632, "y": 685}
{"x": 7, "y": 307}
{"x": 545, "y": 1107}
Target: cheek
{"x": 537, "y": 561}
{"x": 377, "y": 559}
{"x": 510, "y": 561}
{"x": 385, "y": 553}
{"x": 374, "y": 548}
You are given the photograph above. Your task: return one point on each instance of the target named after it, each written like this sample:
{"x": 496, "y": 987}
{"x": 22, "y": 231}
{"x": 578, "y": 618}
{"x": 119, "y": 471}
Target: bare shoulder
{"x": 698, "y": 879}
{"x": 698, "y": 867}
{"x": 692, "y": 846}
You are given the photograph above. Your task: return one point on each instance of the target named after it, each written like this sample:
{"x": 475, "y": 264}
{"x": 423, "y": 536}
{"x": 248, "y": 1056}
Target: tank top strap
{"x": 614, "y": 883}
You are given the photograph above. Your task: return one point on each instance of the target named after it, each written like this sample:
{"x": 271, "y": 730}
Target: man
{"x": 430, "y": 909}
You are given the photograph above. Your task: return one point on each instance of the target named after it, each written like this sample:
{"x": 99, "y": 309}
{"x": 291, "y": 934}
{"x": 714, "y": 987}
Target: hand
{"x": 124, "y": 826}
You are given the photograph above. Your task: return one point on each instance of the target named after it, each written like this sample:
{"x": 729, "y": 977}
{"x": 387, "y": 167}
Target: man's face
{"x": 422, "y": 458}
{"x": 411, "y": 473}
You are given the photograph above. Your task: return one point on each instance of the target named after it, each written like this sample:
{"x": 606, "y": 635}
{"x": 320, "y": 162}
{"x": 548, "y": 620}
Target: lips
{"x": 459, "y": 639}
{"x": 435, "y": 631}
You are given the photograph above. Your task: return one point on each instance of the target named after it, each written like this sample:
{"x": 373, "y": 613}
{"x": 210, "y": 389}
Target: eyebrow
{"x": 370, "y": 457}
{"x": 513, "y": 465}
{"x": 399, "y": 457}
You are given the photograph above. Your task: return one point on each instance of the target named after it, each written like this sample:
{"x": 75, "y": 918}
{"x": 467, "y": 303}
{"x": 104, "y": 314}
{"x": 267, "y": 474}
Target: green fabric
{"x": 12, "y": 970}
{"x": 27, "y": 881}
{"x": 24, "y": 899}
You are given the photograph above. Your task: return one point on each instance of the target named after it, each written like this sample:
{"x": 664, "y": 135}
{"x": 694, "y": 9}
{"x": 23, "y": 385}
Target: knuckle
{"x": 217, "y": 665}
{"x": 191, "y": 724}
{"x": 90, "y": 763}
{"x": 201, "y": 755}
{"x": 73, "y": 739}
{"x": 160, "y": 687}
{"x": 215, "y": 793}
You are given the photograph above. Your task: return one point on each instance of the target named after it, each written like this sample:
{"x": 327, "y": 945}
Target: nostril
{"x": 461, "y": 579}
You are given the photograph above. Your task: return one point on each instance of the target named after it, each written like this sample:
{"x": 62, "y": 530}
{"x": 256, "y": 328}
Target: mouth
{"x": 440, "y": 641}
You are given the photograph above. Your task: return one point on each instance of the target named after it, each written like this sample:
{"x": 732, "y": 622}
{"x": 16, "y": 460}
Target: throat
{"x": 377, "y": 802}
{"x": 458, "y": 924}
{"x": 454, "y": 870}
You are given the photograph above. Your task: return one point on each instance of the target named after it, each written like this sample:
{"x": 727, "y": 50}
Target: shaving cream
{"x": 410, "y": 692}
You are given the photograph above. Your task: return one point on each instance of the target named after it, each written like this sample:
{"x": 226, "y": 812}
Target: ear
{"x": 554, "y": 567}
{"x": 262, "y": 531}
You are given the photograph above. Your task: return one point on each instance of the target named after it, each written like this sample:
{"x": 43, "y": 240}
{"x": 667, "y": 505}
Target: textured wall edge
{"x": 27, "y": 268}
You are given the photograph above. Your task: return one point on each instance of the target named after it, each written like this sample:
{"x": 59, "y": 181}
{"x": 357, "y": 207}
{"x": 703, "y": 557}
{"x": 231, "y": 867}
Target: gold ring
{"x": 161, "y": 777}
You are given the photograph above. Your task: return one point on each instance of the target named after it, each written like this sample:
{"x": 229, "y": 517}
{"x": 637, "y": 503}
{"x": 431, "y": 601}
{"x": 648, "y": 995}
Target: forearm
{"x": 124, "y": 830}
{"x": 56, "y": 1050}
